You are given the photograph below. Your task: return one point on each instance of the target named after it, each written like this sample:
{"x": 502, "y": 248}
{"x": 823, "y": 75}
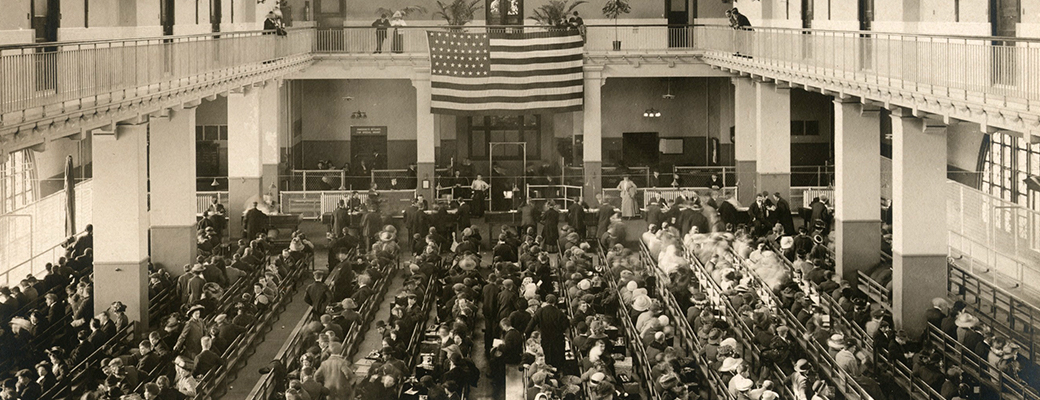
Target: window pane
{"x": 478, "y": 144}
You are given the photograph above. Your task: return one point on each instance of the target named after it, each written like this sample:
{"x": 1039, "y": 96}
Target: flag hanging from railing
{"x": 494, "y": 73}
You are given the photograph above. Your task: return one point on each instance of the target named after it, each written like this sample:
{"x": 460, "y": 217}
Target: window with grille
{"x": 1009, "y": 161}
{"x": 523, "y": 128}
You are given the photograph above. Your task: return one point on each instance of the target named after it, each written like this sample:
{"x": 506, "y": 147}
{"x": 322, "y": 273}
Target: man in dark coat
{"x": 783, "y": 213}
{"x": 370, "y": 225}
{"x": 553, "y": 324}
{"x": 255, "y": 222}
{"x": 504, "y": 251}
{"x": 820, "y": 213}
{"x": 340, "y": 219}
{"x": 576, "y": 216}
{"x": 757, "y": 212}
{"x": 603, "y": 215}
{"x": 507, "y": 298}
{"x": 381, "y": 24}
{"x": 462, "y": 215}
{"x": 489, "y": 307}
{"x": 318, "y": 294}
{"x": 551, "y": 226}
{"x": 653, "y": 213}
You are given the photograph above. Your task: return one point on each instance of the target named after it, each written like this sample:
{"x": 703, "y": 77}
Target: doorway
{"x": 1004, "y": 18}
{"x": 166, "y": 16}
{"x": 640, "y": 149}
{"x": 46, "y": 16}
{"x": 215, "y": 14}
{"x": 678, "y": 20}
{"x": 807, "y": 14}
{"x": 866, "y": 43}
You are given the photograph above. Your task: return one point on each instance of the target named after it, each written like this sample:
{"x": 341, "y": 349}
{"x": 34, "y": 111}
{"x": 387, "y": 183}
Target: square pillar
{"x": 244, "y": 155}
{"x": 857, "y": 183}
{"x": 592, "y": 133}
{"x": 773, "y": 138}
{"x": 919, "y": 236}
{"x": 744, "y": 138}
{"x": 173, "y": 205}
{"x": 120, "y": 211}
{"x": 426, "y": 147}
{"x": 270, "y": 130}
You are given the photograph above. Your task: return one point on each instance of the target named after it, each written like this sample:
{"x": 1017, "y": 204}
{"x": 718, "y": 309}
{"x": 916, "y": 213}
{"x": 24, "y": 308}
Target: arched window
{"x": 17, "y": 181}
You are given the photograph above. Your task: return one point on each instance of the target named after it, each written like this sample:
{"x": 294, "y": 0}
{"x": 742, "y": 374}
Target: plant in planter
{"x": 555, "y": 13}
{"x": 614, "y": 9}
{"x": 458, "y": 12}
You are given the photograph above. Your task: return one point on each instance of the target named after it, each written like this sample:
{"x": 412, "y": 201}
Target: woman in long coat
{"x": 628, "y": 198}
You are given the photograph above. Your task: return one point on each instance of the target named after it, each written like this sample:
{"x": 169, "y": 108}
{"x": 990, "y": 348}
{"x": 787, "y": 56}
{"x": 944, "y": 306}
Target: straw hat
{"x": 731, "y": 342}
{"x": 743, "y": 384}
{"x": 786, "y": 242}
{"x": 836, "y": 341}
{"x": 966, "y": 320}
{"x": 641, "y": 303}
{"x": 585, "y": 284}
{"x": 730, "y": 364}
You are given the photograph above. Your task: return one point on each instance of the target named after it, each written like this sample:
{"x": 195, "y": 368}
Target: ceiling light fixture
{"x": 652, "y": 113}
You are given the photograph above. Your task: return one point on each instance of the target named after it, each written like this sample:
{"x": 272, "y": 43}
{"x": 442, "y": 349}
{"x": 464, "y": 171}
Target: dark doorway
{"x": 866, "y": 14}
{"x": 640, "y": 149}
{"x": 45, "y": 19}
{"x": 1004, "y": 17}
{"x": 678, "y": 19}
{"x": 866, "y": 42}
{"x": 166, "y": 16}
{"x": 215, "y": 14}
{"x": 807, "y": 13}
{"x": 368, "y": 148}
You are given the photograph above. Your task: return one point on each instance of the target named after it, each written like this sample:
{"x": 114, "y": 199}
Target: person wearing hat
{"x": 195, "y": 283}
{"x": 800, "y": 380}
{"x": 189, "y": 342}
{"x": 26, "y": 386}
{"x": 552, "y": 324}
{"x": 897, "y": 349}
{"x": 337, "y": 374}
{"x": 937, "y": 312}
{"x": 965, "y": 323}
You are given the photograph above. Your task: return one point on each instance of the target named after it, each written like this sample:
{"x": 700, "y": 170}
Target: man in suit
{"x": 507, "y": 298}
{"x": 576, "y": 216}
{"x": 489, "y": 307}
{"x": 653, "y": 213}
{"x": 370, "y": 225}
{"x": 255, "y": 222}
{"x": 820, "y": 213}
{"x": 603, "y": 214}
{"x": 318, "y": 294}
{"x": 553, "y": 324}
{"x": 529, "y": 216}
{"x": 462, "y": 215}
{"x": 757, "y": 212}
{"x": 509, "y": 352}
{"x": 381, "y": 24}
{"x": 783, "y": 213}
{"x": 340, "y": 218}
{"x": 504, "y": 251}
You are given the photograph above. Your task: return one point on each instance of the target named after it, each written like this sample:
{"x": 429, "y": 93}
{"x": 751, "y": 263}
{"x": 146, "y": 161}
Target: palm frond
{"x": 404, "y": 11}
{"x": 555, "y": 11}
{"x": 458, "y": 12}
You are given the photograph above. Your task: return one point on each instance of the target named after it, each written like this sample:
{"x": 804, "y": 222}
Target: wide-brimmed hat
{"x": 668, "y": 380}
{"x": 730, "y": 364}
{"x": 197, "y": 307}
{"x": 836, "y": 341}
{"x": 802, "y": 365}
{"x": 786, "y": 242}
{"x": 966, "y": 320}
{"x": 585, "y": 284}
{"x": 467, "y": 264}
{"x": 197, "y": 268}
{"x": 348, "y": 303}
{"x": 731, "y": 342}
{"x": 742, "y": 384}
{"x": 641, "y": 303}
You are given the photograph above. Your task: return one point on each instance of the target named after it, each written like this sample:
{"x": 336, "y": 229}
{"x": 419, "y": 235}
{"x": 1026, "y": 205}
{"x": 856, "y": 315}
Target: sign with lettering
{"x": 367, "y": 130}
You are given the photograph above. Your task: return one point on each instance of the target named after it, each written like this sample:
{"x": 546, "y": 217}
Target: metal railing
{"x": 964, "y": 67}
{"x": 411, "y": 40}
{"x": 1006, "y": 314}
{"x": 204, "y": 199}
{"x": 39, "y": 75}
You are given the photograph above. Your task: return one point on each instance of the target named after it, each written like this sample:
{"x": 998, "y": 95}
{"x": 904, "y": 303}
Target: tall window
{"x": 1009, "y": 161}
{"x": 524, "y": 128}
{"x": 17, "y": 181}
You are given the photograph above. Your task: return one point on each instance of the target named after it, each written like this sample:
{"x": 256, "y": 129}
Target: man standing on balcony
{"x": 381, "y": 24}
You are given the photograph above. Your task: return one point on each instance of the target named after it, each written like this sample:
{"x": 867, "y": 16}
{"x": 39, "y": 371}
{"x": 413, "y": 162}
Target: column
{"x": 773, "y": 147}
{"x": 270, "y": 150}
{"x": 744, "y": 141}
{"x": 120, "y": 214}
{"x": 857, "y": 187}
{"x": 244, "y": 155}
{"x": 592, "y": 133}
{"x": 173, "y": 205}
{"x": 919, "y": 236}
{"x": 426, "y": 149}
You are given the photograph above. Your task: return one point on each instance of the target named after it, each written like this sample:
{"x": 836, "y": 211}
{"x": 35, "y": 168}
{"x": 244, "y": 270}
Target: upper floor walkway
{"x": 54, "y": 90}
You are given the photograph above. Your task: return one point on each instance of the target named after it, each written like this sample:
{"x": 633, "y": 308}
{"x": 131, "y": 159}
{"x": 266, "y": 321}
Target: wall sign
{"x": 367, "y": 130}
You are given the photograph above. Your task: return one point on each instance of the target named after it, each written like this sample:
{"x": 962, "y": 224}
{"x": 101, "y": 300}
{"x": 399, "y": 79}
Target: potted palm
{"x": 458, "y": 12}
{"x": 614, "y": 9}
{"x": 554, "y": 14}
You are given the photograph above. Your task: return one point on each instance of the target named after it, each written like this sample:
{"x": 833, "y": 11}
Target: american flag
{"x": 495, "y": 73}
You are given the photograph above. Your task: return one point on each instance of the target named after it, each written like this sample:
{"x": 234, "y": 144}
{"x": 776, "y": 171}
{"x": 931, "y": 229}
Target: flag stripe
{"x": 527, "y": 110}
{"x": 498, "y": 55}
{"x": 503, "y": 99}
{"x": 509, "y": 86}
{"x": 510, "y": 105}
{"x": 468, "y": 81}
{"x": 515, "y": 93}
{"x": 535, "y": 47}
{"x": 521, "y": 74}
{"x": 533, "y": 60}
{"x": 521, "y": 42}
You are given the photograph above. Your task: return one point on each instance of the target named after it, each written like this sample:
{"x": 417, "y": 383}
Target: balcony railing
{"x": 41, "y": 75}
{"x": 411, "y": 40}
{"x": 959, "y": 67}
